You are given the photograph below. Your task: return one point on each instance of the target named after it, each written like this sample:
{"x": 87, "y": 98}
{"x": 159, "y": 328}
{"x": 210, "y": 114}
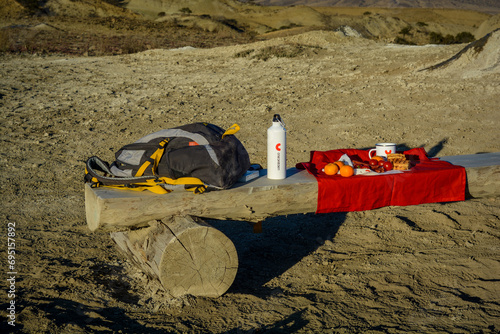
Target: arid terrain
{"x": 486, "y": 6}
{"x": 89, "y": 85}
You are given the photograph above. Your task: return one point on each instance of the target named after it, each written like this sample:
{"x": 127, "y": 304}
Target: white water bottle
{"x": 276, "y": 149}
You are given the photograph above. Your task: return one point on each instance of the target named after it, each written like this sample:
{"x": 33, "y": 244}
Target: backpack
{"x": 196, "y": 157}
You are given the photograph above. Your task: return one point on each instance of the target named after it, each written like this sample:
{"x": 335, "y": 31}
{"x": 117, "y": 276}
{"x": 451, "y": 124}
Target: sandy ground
{"x": 431, "y": 268}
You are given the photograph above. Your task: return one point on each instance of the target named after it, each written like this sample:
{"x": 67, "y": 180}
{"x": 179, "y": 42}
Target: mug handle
{"x": 370, "y": 152}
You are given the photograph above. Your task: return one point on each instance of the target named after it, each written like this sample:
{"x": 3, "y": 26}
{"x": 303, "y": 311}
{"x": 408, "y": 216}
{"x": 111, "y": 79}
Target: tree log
{"x": 111, "y": 210}
{"x": 187, "y": 256}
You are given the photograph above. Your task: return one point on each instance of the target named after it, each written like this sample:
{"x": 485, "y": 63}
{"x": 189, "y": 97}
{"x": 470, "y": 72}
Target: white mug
{"x": 382, "y": 149}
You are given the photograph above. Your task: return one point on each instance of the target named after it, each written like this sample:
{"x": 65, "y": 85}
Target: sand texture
{"x": 430, "y": 268}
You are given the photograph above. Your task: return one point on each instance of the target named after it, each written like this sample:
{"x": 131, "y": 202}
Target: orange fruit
{"x": 377, "y": 157}
{"x": 346, "y": 171}
{"x": 339, "y": 163}
{"x": 331, "y": 169}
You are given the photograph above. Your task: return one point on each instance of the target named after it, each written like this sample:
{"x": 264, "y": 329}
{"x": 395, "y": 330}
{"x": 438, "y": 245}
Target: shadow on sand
{"x": 70, "y": 316}
{"x": 284, "y": 242}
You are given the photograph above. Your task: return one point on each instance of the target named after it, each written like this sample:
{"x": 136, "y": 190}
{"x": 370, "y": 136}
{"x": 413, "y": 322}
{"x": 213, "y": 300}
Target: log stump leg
{"x": 187, "y": 255}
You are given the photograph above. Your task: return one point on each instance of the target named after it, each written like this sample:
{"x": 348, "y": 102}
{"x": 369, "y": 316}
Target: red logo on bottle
{"x": 278, "y": 147}
{"x": 388, "y": 152}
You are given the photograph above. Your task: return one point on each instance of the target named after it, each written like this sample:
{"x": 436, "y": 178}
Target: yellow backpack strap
{"x": 154, "y": 188}
{"x": 157, "y": 185}
{"x": 161, "y": 184}
{"x": 193, "y": 184}
{"x": 97, "y": 172}
{"x": 181, "y": 180}
{"x": 105, "y": 178}
{"x": 232, "y": 130}
{"x": 154, "y": 158}
{"x": 143, "y": 168}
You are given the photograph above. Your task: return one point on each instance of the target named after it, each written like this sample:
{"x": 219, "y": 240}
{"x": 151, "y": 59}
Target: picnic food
{"x": 398, "y": 161}
{"x": 377, "y": 166}
{"x": 339, "y": 163}
{"x": 388, "y": 166}
{"x": 360, "y": 164}
{"x": 331, "y": 169}
{"x": 378, "y": 169}
{"x": 346, "y": 171}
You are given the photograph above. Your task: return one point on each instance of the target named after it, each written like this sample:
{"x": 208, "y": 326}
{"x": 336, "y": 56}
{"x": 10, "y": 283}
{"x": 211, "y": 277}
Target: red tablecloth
{"x": 428, "y": 181}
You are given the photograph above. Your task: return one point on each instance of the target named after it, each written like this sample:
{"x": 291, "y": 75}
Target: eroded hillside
{"x": 93, "y": 27}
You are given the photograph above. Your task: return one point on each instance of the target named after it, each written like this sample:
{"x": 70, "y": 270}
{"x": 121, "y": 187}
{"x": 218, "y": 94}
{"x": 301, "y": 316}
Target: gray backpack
{"x": 197, "y": 156}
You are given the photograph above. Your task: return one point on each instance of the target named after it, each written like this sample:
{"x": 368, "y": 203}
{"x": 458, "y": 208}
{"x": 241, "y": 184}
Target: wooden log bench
{"x": 166, "y": 238}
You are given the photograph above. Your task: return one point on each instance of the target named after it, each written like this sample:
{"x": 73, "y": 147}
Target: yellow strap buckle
{"x": 232, "y": 130}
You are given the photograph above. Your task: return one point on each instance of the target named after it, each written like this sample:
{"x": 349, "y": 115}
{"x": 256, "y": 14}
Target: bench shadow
{"x": 111, "y": 277}
{"x": 291, "y": 324}
{"x": 70, "y": 316}
{"x": 283, "y": 243}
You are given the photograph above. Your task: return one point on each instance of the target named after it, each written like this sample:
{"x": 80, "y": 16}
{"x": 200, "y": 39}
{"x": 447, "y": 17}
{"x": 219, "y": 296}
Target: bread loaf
{"x": 399, "y": 161}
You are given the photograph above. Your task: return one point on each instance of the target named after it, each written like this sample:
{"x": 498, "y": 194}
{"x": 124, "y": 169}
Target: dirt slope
{"x": 10, "y": 9}
{"x": 381, "y": 23}
{"x": 230, "y": 18}
{"x": 431, "y": 268}
{"x": 488, "y": 26}
{"x": 486, "y": 6}
{"x": 477, "y": 59}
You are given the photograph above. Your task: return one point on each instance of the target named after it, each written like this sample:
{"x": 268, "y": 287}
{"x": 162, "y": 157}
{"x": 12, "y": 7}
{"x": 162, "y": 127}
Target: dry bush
{"x": 279, "y": 51}
{"x": 399, "y": 40}
{"x": 463, "y": 37}
{"x": 244, "y": 53}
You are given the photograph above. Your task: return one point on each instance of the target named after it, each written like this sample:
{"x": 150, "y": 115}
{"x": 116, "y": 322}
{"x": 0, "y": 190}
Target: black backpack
{"x": 195, "y": 156}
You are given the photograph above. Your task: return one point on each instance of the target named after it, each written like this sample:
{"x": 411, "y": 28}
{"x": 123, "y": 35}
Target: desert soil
{"x": 430, "y": 268}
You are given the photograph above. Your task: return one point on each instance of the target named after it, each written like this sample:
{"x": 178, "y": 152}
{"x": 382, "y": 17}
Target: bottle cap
{"x": 277, "y": 118}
